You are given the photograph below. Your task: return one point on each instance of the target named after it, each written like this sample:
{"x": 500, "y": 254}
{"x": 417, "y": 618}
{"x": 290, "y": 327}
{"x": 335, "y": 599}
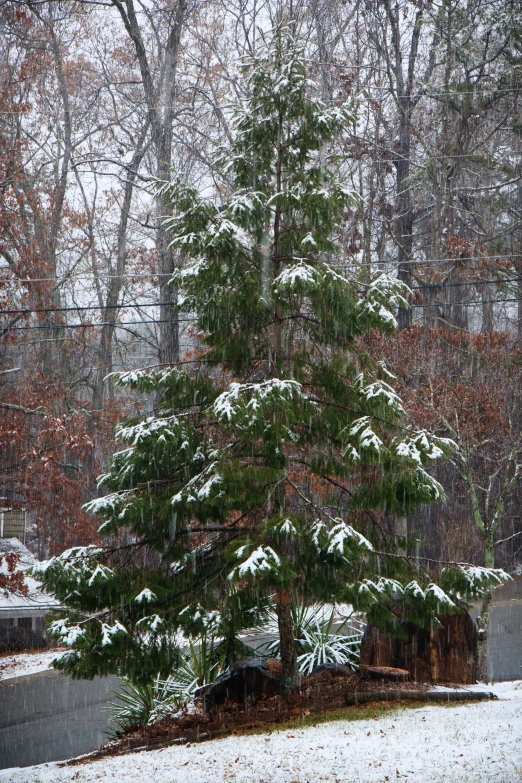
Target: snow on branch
{"x": 76, "y": 559}
{"x": 383, "y": 588}
{"x": 239, "y": 396}
{"x": 342, "y": 533}
{"x": 384, "y": 295}
{"x": 66, "y": 634}
{"x": 297, "y": 276}
{"x": 339, "y": 539}
{"x": 110, "y": 631}
{"x": 379, "y": 391}
{"x": 200, "y": 488}
{"x": 367, "y": 438}
{"x": 469, "y": 581}
{"x": 262, "y": 560}
{"x": 152, "y": 427}
{"x": 422, "y": 446}
{"x": 146, "y": 596}
{"x": 100, "y": 573}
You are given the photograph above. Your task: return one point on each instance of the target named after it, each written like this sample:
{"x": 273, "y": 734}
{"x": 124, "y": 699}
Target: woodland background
{"x": 99, "y": 98}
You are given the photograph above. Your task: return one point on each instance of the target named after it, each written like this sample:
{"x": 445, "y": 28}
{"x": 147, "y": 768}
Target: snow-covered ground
{"x": 27, "y": 663}
{"x": 473, "y": 743}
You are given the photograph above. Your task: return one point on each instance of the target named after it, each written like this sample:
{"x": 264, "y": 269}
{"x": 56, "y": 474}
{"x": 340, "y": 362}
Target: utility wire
{"x": 435, "y": 260}
{"x": 471, "y": 302}
{"x": 77, "y": 308}
{"x": 82, "y": 276}
{"x": 497, "y": 281}
{"x": 149, "y": 275}
{"x": 415, "y": 95}
{"x": 478, "y": 91}
{"x": 123, "y": 324}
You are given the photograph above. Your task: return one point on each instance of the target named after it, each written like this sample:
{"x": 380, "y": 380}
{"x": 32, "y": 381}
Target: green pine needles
{"x": 261, "y": 478}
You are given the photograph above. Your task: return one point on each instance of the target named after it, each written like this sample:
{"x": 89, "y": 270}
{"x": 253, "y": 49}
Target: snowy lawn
{"x": 474, "y": 743}
{"x": 27, "y": 663}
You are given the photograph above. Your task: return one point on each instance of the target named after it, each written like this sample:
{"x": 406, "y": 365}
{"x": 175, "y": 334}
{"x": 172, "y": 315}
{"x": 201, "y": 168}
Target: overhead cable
{"x": 148, "y": 275}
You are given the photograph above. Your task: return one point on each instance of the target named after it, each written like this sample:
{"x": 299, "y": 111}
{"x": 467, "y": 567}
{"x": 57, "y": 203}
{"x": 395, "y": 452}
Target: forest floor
{"x": 462, "y": 743}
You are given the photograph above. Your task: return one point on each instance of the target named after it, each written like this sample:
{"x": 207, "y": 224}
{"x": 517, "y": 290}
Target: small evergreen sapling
{"x": 255, "y": 479}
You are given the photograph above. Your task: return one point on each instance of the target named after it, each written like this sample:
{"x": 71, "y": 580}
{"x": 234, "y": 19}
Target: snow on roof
{"x": 35, "y": 599}
{"x": 13, "y": 546}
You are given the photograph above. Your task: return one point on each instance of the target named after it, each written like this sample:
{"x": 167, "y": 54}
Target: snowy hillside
{"x": 465, "y": 744}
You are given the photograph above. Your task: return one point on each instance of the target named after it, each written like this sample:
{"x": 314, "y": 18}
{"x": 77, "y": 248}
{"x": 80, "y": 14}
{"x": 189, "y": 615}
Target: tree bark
{"x": 405, "y": 102}
{"x": 162, "y": 131}
{"x": 47, "y": 228}
{"x": 160, "y": 97}
{"x": 285, "y": 622}
{"x": 485, "y": 615}
{"x": 482, "y": 644}
{"x": 110, "y": 312}
{"x": 517, "y": 250}
{"x": 401, "y": 530}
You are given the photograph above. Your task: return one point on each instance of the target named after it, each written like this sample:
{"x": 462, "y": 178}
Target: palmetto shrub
{"x": 143, "y": 705}
{"x": 321, "y": 636}
{"x": 204, "y": 660}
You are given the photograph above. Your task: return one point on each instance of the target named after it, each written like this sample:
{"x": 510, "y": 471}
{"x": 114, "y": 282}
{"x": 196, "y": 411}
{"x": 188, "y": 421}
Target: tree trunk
{"x": 517, "y": 249}
{"x": 482, "y": 644}
{"x": 401, "y": 531}
{"x": 403, "y": 88}
{"x": 285, "y": 622}
{"x": 160, "y": 97}
{"x": 162, "y": 133}
{"x": 169, "y": 326}
{"x": 405, "y": 212}
{"x": 488, "y": 293}
{"x": 434, "y": 654}
{"x": 485, "y": 616}
{"x": 110, "y": 311}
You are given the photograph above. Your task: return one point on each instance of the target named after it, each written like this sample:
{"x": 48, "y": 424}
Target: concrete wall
{"x": 505, "y": 632}
{"x": 48, "y": 717}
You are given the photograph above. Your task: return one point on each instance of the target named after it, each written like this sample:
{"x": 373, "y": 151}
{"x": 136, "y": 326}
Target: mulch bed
{"x": 321, "y": 692}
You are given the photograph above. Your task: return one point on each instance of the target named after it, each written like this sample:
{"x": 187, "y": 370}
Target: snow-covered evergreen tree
{"x": 262, "y": 475}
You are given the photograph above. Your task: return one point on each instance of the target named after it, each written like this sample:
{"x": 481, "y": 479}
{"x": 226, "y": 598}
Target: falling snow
{"x": 474, "y": 743}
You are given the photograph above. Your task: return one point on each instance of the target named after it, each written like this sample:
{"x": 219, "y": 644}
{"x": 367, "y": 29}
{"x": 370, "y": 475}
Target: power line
{"x": 477, "y": 93}
{"x": 28, "y": 311}
{"x": 77, "y": 308}
{"x": 123, "y": 324}
{"x": 148, "y": 275}
{"x": 81, "y": 276}
{"x": 483, "y": 257}
{"x": 421, "y": 94}
{"x": 120, "y": 324}
{"x": 471, "y": 302}
{"x": 497, "y": 281}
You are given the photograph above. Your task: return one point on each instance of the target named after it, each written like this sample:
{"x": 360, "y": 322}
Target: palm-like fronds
{"x": 142, "y": 705}
{"x": 319, "y": 636}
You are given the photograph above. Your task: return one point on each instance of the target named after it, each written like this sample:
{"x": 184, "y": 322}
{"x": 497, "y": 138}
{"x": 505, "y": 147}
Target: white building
{"x": 18, "y": 610}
